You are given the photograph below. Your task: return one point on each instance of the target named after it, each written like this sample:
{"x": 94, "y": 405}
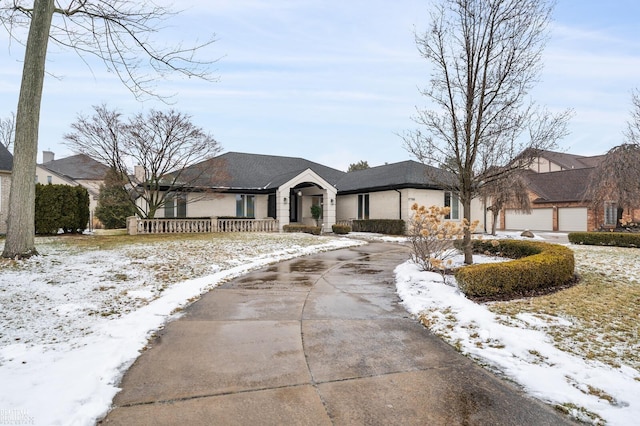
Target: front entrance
{"x": 294, "y": 208}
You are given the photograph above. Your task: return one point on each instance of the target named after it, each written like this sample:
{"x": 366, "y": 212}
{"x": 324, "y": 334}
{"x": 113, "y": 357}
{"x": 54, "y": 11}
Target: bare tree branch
{"x": 167, "y": 145}
{"x": 486, "y": 58}
{"x": 8, "y": 130}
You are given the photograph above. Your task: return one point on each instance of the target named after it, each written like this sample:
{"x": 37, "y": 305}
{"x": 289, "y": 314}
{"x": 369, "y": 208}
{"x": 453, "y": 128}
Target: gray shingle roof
{"x": 571, "y": 161}
{"x": 6, "y": 159}
{"x": 78, "y": 166}
{"x": 258, "y": 172}
{"x": 393, "y": 176}
{"x": 561, "y": 186}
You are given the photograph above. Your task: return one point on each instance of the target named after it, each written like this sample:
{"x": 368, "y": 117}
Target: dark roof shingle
{"x": 393, "y": 176}
{"x": 560, "y": 186}
{"x": 6, "y": 159}
{"x": 78, "y": 166}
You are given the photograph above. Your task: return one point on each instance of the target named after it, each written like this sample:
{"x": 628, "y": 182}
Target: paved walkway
{"x": 318, "y": 340}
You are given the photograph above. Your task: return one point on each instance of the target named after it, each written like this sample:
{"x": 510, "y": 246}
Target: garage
{"x": 537, "y": 220}
{"x": 572, "y": 219}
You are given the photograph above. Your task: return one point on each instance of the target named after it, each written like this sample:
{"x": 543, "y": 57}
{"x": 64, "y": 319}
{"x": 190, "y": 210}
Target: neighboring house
{"x": 285, "y": 188}
{"x": 76, "y": 170}
{"x": 6, "y": 166}
{"x": 557, "y": 185}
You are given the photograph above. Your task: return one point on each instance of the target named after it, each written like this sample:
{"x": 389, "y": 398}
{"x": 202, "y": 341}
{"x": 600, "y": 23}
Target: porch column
{"x": 329, "y": 209}
{"x": 283, "y": 201}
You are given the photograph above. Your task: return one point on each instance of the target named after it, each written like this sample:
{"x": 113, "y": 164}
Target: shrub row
{"x": 381, "y": 226}
{"x": 538, "y": 266}
{"x": 618, "y": 239}
{"x": 315, "y": 230}
{"x": 341, "y": 229}
{"x": 61, "y": 207}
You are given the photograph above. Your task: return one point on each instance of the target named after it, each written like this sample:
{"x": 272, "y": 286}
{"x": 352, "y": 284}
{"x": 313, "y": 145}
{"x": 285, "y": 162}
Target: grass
{"x": 603, "y": 308}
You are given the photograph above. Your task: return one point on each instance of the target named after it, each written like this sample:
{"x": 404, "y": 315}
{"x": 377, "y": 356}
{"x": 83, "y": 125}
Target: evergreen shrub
{"x": 618, "y": 239}
{"x": 315, "y": 230}
{"x": 341, "y": 229}
{"x": 61, "y": 207}
{"x": 537, "y": 266}
{"x": 380, "y": 226}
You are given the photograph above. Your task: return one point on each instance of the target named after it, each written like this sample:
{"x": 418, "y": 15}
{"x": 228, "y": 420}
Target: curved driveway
{"x": 318, "y": 340}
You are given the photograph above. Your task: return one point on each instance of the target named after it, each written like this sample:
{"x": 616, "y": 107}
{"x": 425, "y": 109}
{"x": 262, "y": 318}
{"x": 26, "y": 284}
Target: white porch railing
{"x": 247, "y": 225}
{"x": 185, "y": 225}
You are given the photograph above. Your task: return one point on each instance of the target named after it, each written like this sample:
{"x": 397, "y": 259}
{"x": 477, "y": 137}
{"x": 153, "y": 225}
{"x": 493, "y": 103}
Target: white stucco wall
{"x": 385, "y": 205}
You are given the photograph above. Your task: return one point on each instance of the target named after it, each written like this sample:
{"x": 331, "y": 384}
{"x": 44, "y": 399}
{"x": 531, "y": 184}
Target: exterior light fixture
{"x": 285, "y": 200}
{"x": 299, "y": 193}
{"x": 332, "y": 201}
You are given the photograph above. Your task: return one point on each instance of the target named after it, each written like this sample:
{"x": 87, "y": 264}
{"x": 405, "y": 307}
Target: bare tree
{"x": 508, "y": 191}
{"x": 360, "y": 165}
{"x": 485, "y": 57}
{"x": 617, "y": 177}
{"x": 632, "y": 133}
{"x": 118, "y": 32}
{"x": 167, "y": 146}
{"x": 8, "y": 130}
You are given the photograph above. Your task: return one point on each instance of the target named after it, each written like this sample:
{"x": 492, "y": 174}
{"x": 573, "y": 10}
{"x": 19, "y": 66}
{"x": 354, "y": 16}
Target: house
{"x": 75, "y": 170}
{"x": 284, "y": 188}
{"x": 6, "y": 166}
{"x": 557, "y": 185}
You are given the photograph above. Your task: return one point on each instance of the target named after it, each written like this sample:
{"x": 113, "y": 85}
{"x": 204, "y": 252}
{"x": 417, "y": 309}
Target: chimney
{"x": 48, "y": 156}
{"x": 138, "y": 172}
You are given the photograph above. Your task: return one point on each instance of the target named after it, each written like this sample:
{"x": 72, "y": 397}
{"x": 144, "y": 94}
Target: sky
{"x": 336, "y": 82}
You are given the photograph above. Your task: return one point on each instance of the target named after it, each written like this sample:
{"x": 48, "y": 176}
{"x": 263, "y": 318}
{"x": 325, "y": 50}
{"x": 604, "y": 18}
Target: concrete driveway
{"x": 316, "y": 340}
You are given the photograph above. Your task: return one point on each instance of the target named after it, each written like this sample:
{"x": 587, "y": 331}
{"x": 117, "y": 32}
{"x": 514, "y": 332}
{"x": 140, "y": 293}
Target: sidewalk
{"x": 316, "y": 340}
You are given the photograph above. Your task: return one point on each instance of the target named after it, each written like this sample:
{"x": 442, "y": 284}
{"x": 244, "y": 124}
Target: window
{"x": 451, "y": 200}
{"x": 49, "y": 179}
{"x": 245, "y": 205}
{"x": 363, "y": 206}
{"x": 175, "y": 203}
{"x": 610, "y": 213}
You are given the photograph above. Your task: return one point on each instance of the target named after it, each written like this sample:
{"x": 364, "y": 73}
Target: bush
{"x": 538, "y": 266}
{"x": 380, "y": 226}
{"x": 315, "y": 230}
{"x": 618, "y": 239}
{"x": 341, "y": 229}
{"x": 114, "y": 202}
{"x": 61, "y": 207}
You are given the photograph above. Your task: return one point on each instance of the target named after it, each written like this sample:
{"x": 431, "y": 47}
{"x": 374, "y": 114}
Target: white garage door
{"x": 572, "y": 219}
{"x": 537, "y": 220}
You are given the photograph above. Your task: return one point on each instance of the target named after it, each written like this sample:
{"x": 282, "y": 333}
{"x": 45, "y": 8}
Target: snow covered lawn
{"x": 74, "y": 319}
{"x": 577, "y": 349}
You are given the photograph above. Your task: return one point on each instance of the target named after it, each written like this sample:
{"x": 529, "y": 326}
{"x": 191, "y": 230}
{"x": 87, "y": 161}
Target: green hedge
{"x": 341, "y": 229}
{"x": 618, "y": 239}
{"x": 61, "y": 207}
{"x": 380, "y": 226}
{"x": 315, "y": 230}
{"x": 537, "y": 266}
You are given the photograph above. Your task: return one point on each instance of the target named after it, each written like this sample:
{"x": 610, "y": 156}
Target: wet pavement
{"x": 316, "y": 340}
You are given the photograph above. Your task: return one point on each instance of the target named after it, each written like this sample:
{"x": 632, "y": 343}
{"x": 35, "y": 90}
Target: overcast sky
{"x": 336, "y": 81}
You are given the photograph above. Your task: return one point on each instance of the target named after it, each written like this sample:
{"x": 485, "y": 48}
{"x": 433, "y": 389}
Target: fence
{"x": 137, "y": 226}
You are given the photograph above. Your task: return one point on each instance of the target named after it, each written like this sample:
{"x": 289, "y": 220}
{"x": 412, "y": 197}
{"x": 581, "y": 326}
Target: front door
{"x": 293, "y": 207}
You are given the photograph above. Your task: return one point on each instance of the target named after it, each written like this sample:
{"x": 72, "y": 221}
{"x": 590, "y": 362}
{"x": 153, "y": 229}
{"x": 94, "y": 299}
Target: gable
{"x": 257, "y": 172}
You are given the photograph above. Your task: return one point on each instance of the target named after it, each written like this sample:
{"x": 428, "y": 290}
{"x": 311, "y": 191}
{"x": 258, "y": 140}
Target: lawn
{"x": 603, "y": 309}
{"x": 576, "y": 349}
{"x": 75, "y": 317}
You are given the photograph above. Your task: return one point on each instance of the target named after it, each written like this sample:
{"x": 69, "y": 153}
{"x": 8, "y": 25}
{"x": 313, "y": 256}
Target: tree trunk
{"x": 466, "y": 239}
{"x": 494, "y": 225}
{"x": 20, "y": 240}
